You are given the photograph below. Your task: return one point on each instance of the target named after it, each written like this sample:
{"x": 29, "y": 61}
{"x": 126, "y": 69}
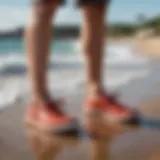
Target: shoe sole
{"x": 33, "y": 134}
{"x": 70, "y": 130}
{"x": 100, "y": 124}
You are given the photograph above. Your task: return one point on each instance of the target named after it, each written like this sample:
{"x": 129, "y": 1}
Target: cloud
{"x": 68, "y": 16}
{"x": 15, "y": 14}
{"x": 13, "y": 17}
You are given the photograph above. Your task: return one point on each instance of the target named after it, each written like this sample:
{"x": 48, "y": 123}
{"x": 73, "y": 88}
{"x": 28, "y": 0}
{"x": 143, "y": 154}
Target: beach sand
{"x": 144, "y": 45}
{"x": 148, "y": 46}
{"x": 135, "y": 144}
{"x": 20, "y": 143}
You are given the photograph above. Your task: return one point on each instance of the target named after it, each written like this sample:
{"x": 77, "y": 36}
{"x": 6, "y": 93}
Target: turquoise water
{"x": 17, "y": 45}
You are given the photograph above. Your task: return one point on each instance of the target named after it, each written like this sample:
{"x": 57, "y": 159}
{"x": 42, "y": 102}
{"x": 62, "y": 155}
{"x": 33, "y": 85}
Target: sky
{"x": 14, "y": 13}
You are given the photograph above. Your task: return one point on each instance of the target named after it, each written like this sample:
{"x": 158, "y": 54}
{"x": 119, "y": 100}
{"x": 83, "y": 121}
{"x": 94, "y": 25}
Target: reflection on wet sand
{"x": 100, "y": 149}
{"x": 49, "y": 146}
{"x": 141, "y": 144}
{"x": 127, "y": 144}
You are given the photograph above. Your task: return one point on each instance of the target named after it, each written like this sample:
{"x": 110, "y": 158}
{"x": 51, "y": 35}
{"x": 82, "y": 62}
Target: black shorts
{"x": 78, "y": 2}
{"x": 85, "y": 2}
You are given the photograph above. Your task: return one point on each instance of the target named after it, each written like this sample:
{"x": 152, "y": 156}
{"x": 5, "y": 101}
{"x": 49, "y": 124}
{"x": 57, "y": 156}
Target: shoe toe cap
{"x": 133, "y": 120}
{"x": 70, "y": 129}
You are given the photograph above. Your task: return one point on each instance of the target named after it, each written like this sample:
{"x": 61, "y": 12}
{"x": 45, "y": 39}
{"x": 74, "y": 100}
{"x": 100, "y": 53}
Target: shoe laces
{"x": 54, "y": 106}
{"x": 118, "y": 106}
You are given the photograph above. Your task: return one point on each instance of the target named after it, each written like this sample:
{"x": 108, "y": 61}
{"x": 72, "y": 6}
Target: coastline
{"x": 148, "y": 46}
{"x": 139, "y": 144}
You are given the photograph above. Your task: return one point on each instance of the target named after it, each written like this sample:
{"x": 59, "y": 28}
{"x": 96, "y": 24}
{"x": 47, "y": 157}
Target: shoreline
{"x": 144, "y": 45}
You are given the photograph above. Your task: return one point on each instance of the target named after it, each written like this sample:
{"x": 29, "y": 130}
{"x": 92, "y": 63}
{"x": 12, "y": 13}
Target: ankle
{"x": 41, "y": 99}
{"x": 94, "y": 91}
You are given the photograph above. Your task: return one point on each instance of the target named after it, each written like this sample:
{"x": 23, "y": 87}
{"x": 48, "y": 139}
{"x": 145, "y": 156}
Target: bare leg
{"x": 38, "y": 36}
{"x": 43, "y": 113}
{"x": 93, "y": 32}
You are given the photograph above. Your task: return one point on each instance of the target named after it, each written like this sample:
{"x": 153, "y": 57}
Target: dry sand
{"x": 144, "y": 44}
{"x": 148, "y": 46}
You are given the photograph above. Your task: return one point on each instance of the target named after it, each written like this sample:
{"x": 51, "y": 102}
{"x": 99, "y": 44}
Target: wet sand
{"x": 141, "y": 144}
{"x": 20, "y": 143}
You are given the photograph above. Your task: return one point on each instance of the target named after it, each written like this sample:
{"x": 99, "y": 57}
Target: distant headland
{"x": 115, "y": 30}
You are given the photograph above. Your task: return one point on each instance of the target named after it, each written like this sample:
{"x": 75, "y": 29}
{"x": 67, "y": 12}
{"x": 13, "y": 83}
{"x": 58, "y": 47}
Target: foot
{"x": 49, "y": 117}
{"x": 105, "y": 109}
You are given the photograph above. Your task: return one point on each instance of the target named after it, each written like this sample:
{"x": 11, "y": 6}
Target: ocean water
{"x": 66, "y": 68}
